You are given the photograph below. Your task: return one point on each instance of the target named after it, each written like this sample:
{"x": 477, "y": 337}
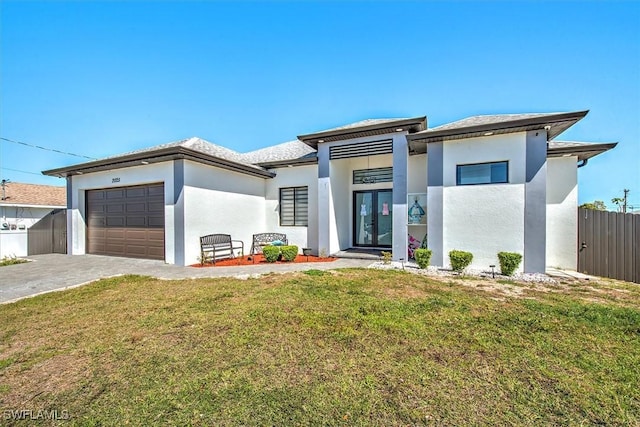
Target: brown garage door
{"x": 126, "y": 221}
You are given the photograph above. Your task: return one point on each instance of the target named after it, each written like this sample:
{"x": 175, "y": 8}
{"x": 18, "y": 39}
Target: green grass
{"x": 353, "y": 347}
{"x": 11, "y": 261}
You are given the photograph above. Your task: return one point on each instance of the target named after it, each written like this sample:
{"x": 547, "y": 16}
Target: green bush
{"x": 271, "y": 253}
{"x": 289, "y": 252}
{"x": 422, "y": 256}
{"x": 509, "y": 262}
{"x": 460, "y": 260}
{"x": 386, "y": 257}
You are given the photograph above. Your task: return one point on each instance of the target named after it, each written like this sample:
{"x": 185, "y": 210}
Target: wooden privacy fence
{"x": 609, "y": 244}
{"x": 49, "y": 235}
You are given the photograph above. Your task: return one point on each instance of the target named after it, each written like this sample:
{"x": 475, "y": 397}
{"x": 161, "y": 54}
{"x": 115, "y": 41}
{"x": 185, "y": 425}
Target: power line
{"x": 18, "y": 170}
{"x": 47, "y": 149}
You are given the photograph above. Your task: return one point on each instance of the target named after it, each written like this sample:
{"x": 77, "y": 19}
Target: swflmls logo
{"x": 23, "y": 414}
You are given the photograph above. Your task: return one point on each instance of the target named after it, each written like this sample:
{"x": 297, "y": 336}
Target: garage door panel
{"x": 138, "y": 251}
{"x": 115, "y": 221}
{"x": 115, "y": 194}
{"x": 156, "y": 207}
{"x": 156, "y": 235}
{"x": 96, "y": 222}
{"x": 136, "y": 192}
{"x": 156, "y": 253}
{"x": 115, "y": 208}
{"x": 127, "y": 221}
{"x": 156, "y": 190}
{"x": 136, "y": 207}
{"x": 136, "y": 221}
{"x": 140, "y": 235}
{"x": 156, "y": 222}
{"x": 95, "y": 195}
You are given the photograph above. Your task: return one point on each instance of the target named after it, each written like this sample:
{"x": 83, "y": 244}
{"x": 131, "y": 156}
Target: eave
{"x": 554, "y": 124}
{"x": 411, "y": 125}
{"x": 161, "y": 155}
{"x": 583, "y": 151}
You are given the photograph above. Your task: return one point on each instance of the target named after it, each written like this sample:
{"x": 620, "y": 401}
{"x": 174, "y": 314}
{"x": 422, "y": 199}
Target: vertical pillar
{"x": 400, "y": 159}
{"x": 535, "y": 202}
{"x": 324, "y": 201}
{"x": 435, "y": 202}
{"x": 71, "y": 231}
{"x": 179, "y": 257}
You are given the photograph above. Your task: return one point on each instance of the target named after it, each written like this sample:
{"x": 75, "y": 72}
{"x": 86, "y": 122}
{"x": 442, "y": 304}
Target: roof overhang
{"x": 411, "y": 125}
{"x": 303, "y": 161}
{"x": 555, "y": 124}
{"x": 583, "y": 151}
{"x": 157, "y": 156}
{"x": 27, "y": 205}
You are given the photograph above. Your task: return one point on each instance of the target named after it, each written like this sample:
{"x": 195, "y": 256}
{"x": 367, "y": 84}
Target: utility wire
{"x": 17, "y": 170}
{"x": 47, "y": 149}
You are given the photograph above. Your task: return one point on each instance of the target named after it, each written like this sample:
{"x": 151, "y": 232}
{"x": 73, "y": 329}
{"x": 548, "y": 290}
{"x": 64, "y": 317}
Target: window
{"x": 294, "y": 203}
{"x": 372, "y": 176}
{"x": 482, "y": 173}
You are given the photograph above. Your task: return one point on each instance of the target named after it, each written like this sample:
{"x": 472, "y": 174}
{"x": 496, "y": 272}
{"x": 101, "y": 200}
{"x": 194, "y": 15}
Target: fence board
{"x": 609, "y": 244}
{"x": 49, "y": 235}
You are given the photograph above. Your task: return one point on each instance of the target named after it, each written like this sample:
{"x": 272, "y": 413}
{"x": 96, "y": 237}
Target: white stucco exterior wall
{"x": 297, "y": 176}
{"x": 13, "y": 243}
{"x": 484, "y": 219}
{"x": 135, "y": 175}
{"x": 562, "y": 204}
{"x": 220, "y": 201}
{"x": 339, "y": 222}
{"x": 14, "y": 240}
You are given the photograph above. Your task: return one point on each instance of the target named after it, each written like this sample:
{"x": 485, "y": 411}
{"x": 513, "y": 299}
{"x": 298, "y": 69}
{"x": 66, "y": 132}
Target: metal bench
{"x": 219, "y": 246}
{"x": 261, "y": 240}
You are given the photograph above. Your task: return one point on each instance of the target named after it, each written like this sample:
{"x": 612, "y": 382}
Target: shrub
{"x": 289, "y": 252}
{"x": 509, "y": 262}
{"x": 460, "y": 260}
{"x": 423, "y": 256}
{"x": 271, "y": 253}
{"x": 386, "y": 257}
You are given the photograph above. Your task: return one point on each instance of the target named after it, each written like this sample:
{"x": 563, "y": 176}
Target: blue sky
{"x": 103, "y": 78}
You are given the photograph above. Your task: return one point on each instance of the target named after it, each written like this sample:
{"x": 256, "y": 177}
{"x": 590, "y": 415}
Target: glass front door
{"x": 372, "y": 218}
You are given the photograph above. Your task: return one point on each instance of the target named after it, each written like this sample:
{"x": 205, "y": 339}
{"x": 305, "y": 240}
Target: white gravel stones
{"x": 412, "y": 267}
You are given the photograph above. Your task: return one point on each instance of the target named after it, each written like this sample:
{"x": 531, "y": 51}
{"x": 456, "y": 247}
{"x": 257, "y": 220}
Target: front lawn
{"x": 351, "y": 347}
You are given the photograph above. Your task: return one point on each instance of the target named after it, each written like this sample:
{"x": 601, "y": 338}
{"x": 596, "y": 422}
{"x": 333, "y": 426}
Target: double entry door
{"x": 372, "y": 218}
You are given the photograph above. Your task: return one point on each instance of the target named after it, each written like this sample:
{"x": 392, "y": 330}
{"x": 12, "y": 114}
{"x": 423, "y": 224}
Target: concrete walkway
{"x": 52, "y": 272}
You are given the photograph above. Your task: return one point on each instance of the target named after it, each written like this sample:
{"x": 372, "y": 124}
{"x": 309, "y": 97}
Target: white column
{"x": 400, "y": 159}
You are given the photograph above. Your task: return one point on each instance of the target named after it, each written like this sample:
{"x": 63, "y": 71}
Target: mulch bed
{"x": 259, "y": 260}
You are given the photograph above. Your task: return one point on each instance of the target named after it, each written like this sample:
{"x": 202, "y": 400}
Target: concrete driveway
{"x": 52, "y": 272}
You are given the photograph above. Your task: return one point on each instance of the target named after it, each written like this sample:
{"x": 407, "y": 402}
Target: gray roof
{"x": 195, "y": 149}
{"x": 366, "y": 122}
{"x": 368, "y": 127}
{"x": 492, "y": 119}
{"x": 582, "y": 150}
{"x": 281, "y": 153}
{"x": 195, "y": 144}
{"x": 477, "y": 126}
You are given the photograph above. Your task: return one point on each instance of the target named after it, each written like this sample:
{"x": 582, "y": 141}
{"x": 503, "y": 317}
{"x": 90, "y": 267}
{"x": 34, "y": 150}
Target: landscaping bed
{"x": 259, "y": 259}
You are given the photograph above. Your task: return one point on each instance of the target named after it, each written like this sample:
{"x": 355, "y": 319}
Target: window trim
{"x": 295, "y": 219}
{"x": 458, "y": 169}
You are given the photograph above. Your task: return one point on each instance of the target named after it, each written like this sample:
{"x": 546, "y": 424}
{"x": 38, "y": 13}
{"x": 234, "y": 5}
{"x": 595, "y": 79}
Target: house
{"x": 483, "y": 184}
{"x": 21, "y": 206}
